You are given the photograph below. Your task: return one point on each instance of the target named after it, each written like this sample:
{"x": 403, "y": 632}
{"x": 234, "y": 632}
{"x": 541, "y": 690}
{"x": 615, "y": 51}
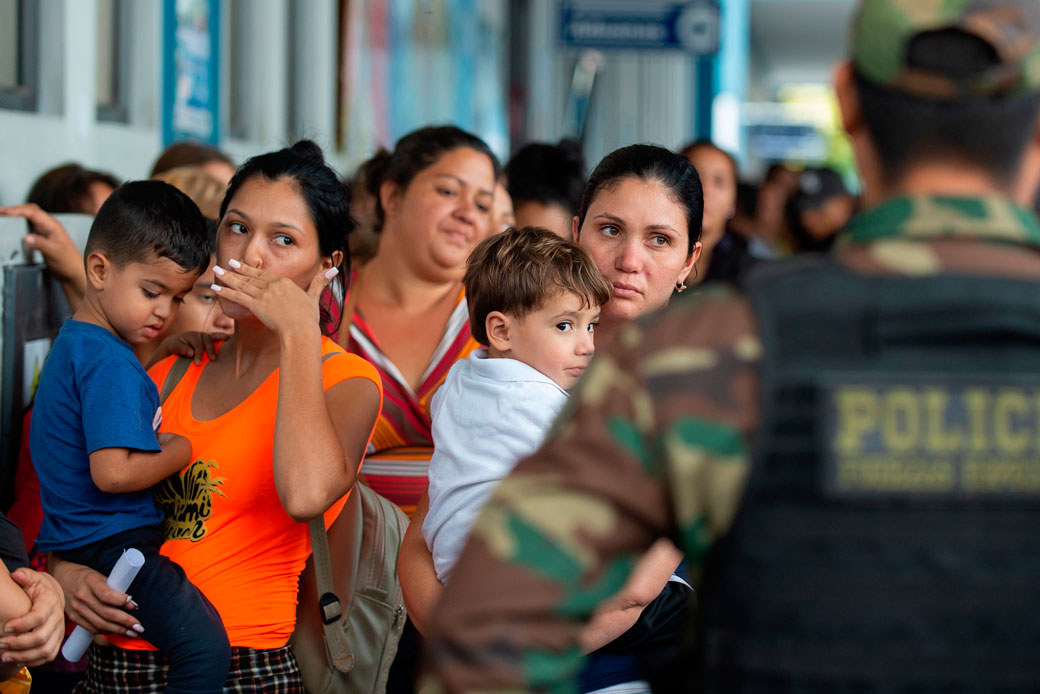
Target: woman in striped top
{"x": 405, "y": 311}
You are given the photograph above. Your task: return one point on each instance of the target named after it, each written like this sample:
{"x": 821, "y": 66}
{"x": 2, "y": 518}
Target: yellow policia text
{"x": 934, "y": 439}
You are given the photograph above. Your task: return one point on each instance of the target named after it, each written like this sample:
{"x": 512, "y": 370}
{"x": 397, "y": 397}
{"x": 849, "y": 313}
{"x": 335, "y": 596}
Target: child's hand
{"x": 189, "y": 344}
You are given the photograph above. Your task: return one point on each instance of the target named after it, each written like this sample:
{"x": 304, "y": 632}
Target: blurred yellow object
{"x": 19, "y": 684}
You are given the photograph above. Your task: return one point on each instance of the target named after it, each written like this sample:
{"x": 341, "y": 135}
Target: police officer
{"x": 849, "y": 453}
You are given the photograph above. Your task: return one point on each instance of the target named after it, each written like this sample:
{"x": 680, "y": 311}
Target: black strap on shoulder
{"x": 173, "y": 377}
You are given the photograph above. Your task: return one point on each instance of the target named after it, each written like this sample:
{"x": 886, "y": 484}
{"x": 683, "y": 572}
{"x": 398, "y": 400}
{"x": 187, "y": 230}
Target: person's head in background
{"x": 70, "y": 188}
{"x": 819, "y": 209}
{"x": 777, "y": 187}
{"x": 718, "y": 173}
{"x": 435, "y": 198}
{"x": 536, "y": 298}
{"x": 640, "y": 220}
{"x": 743, "y": 221}
{"x": 288, "y": 214}
{"x": 197, "y": 183}
{"x": 502, "y": 215}
{"x": 951, "y": 110}
{"x": 546, "y": 183}
{"x": 364, "y": 190}
{"x": 192, "y": 153}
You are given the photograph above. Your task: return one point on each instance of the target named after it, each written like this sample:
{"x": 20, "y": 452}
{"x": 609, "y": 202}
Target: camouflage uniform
{"x": 656, "y": 441}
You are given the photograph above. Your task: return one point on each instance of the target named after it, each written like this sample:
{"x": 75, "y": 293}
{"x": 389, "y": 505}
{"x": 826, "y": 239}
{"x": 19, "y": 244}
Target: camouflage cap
{"x": 883, "y": 29}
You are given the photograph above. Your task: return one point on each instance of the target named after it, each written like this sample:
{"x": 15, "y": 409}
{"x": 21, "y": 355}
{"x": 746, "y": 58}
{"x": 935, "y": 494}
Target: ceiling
{"x": 796, "y": 40}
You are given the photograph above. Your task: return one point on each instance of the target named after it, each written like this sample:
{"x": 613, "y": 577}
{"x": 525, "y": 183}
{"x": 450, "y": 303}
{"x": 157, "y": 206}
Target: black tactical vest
{"x": 889, "y": 537}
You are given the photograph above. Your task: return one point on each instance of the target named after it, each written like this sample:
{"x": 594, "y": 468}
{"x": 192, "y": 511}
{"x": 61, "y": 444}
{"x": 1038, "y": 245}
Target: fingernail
{"x": 131, "y": 634}
{"x": 138, "y": 628}
{"x": 234, "y": 263}
{"x": 30, "y": 241}
{"x": 8, "y": 659}
{"x": 329, "y": 274}
{"x": 132, "y": 604}
{"x": 9, "y": 630}
{"x": 218, "y": 271}
{"x": 215, "y": 287}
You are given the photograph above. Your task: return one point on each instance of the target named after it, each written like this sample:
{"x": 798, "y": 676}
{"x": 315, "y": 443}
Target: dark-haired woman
{"x": 278, "y": 426}
{"x": 640, "y": 221}
{"x": 546, "y": 183}
{"x": 70, "y": 188}
{"x": 406, "y": 312}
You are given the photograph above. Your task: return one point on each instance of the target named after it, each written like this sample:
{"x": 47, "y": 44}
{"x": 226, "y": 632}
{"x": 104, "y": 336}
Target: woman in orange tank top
{"x": 278, "y": 425}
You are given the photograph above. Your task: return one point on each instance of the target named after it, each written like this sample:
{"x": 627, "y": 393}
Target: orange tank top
{"x": 224, "y": 522}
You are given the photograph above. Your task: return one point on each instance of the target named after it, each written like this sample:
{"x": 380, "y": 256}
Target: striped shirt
{"x": 400, "y": 450}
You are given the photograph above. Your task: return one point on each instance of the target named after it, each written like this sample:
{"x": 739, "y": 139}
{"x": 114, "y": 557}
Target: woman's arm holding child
{"x": 617, "y": 615}
{"x": 416, "y": 572}
{"x": 118, "y": 470}
{"x": 90, "y": 602}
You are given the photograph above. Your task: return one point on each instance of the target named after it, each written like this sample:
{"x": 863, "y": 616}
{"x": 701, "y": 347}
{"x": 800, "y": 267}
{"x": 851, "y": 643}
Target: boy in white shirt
{"x": 534, "y": 300}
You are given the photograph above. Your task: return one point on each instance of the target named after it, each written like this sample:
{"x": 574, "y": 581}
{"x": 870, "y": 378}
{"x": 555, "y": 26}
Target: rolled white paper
{"x": 122, "y": 575}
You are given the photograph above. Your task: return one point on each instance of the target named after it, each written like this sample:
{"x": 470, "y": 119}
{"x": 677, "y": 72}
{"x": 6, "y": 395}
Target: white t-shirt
{"x": 487, "y": 415}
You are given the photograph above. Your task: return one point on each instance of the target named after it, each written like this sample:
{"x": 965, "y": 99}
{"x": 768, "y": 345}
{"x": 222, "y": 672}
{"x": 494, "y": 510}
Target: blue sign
{"x": 191, "y": 71}
{"x": 619, "y": 25}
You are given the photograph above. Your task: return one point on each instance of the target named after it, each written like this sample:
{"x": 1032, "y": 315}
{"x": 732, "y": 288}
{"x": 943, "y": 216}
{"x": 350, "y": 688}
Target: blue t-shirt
{"x": 93, "y": 394}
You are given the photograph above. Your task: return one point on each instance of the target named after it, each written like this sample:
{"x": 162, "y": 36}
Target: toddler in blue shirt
{"x": 93, "y": 435}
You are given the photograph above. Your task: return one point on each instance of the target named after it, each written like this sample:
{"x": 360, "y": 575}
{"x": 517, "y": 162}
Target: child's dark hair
{"x": 517, "y": 271}
{"x": 417, "y": 151}
{"x": 327, "y": 199}
{"x": 651, "y": 164}
{"x": 145, "y": 218}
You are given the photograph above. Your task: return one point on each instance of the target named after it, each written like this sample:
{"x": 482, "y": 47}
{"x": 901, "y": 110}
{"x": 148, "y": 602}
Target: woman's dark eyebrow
{"x": 652, "y": 227}
{"x": 284, "y": 225}
{"x": 480, "y": 191}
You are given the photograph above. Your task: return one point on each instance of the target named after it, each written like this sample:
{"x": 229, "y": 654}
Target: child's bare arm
{"x": 117, "y": 470}
{"x": 13, "y": 603}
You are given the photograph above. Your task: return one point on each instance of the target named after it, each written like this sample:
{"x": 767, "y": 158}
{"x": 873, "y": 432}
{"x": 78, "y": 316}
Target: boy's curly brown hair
{"x": 517, "y": 271}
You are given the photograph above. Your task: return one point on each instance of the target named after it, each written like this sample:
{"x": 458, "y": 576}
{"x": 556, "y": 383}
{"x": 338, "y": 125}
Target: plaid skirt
{"x": 118, "y": 671}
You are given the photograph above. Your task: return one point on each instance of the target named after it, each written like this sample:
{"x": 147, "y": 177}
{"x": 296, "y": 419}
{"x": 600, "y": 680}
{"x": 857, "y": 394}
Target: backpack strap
{"x": 173, "y": 377}
{"x": 329, "y": 605}
{"x": 328, "y": 602}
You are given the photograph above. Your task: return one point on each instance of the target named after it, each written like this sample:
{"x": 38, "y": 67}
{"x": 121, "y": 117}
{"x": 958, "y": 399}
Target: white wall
{"x": 65, "y": 127}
